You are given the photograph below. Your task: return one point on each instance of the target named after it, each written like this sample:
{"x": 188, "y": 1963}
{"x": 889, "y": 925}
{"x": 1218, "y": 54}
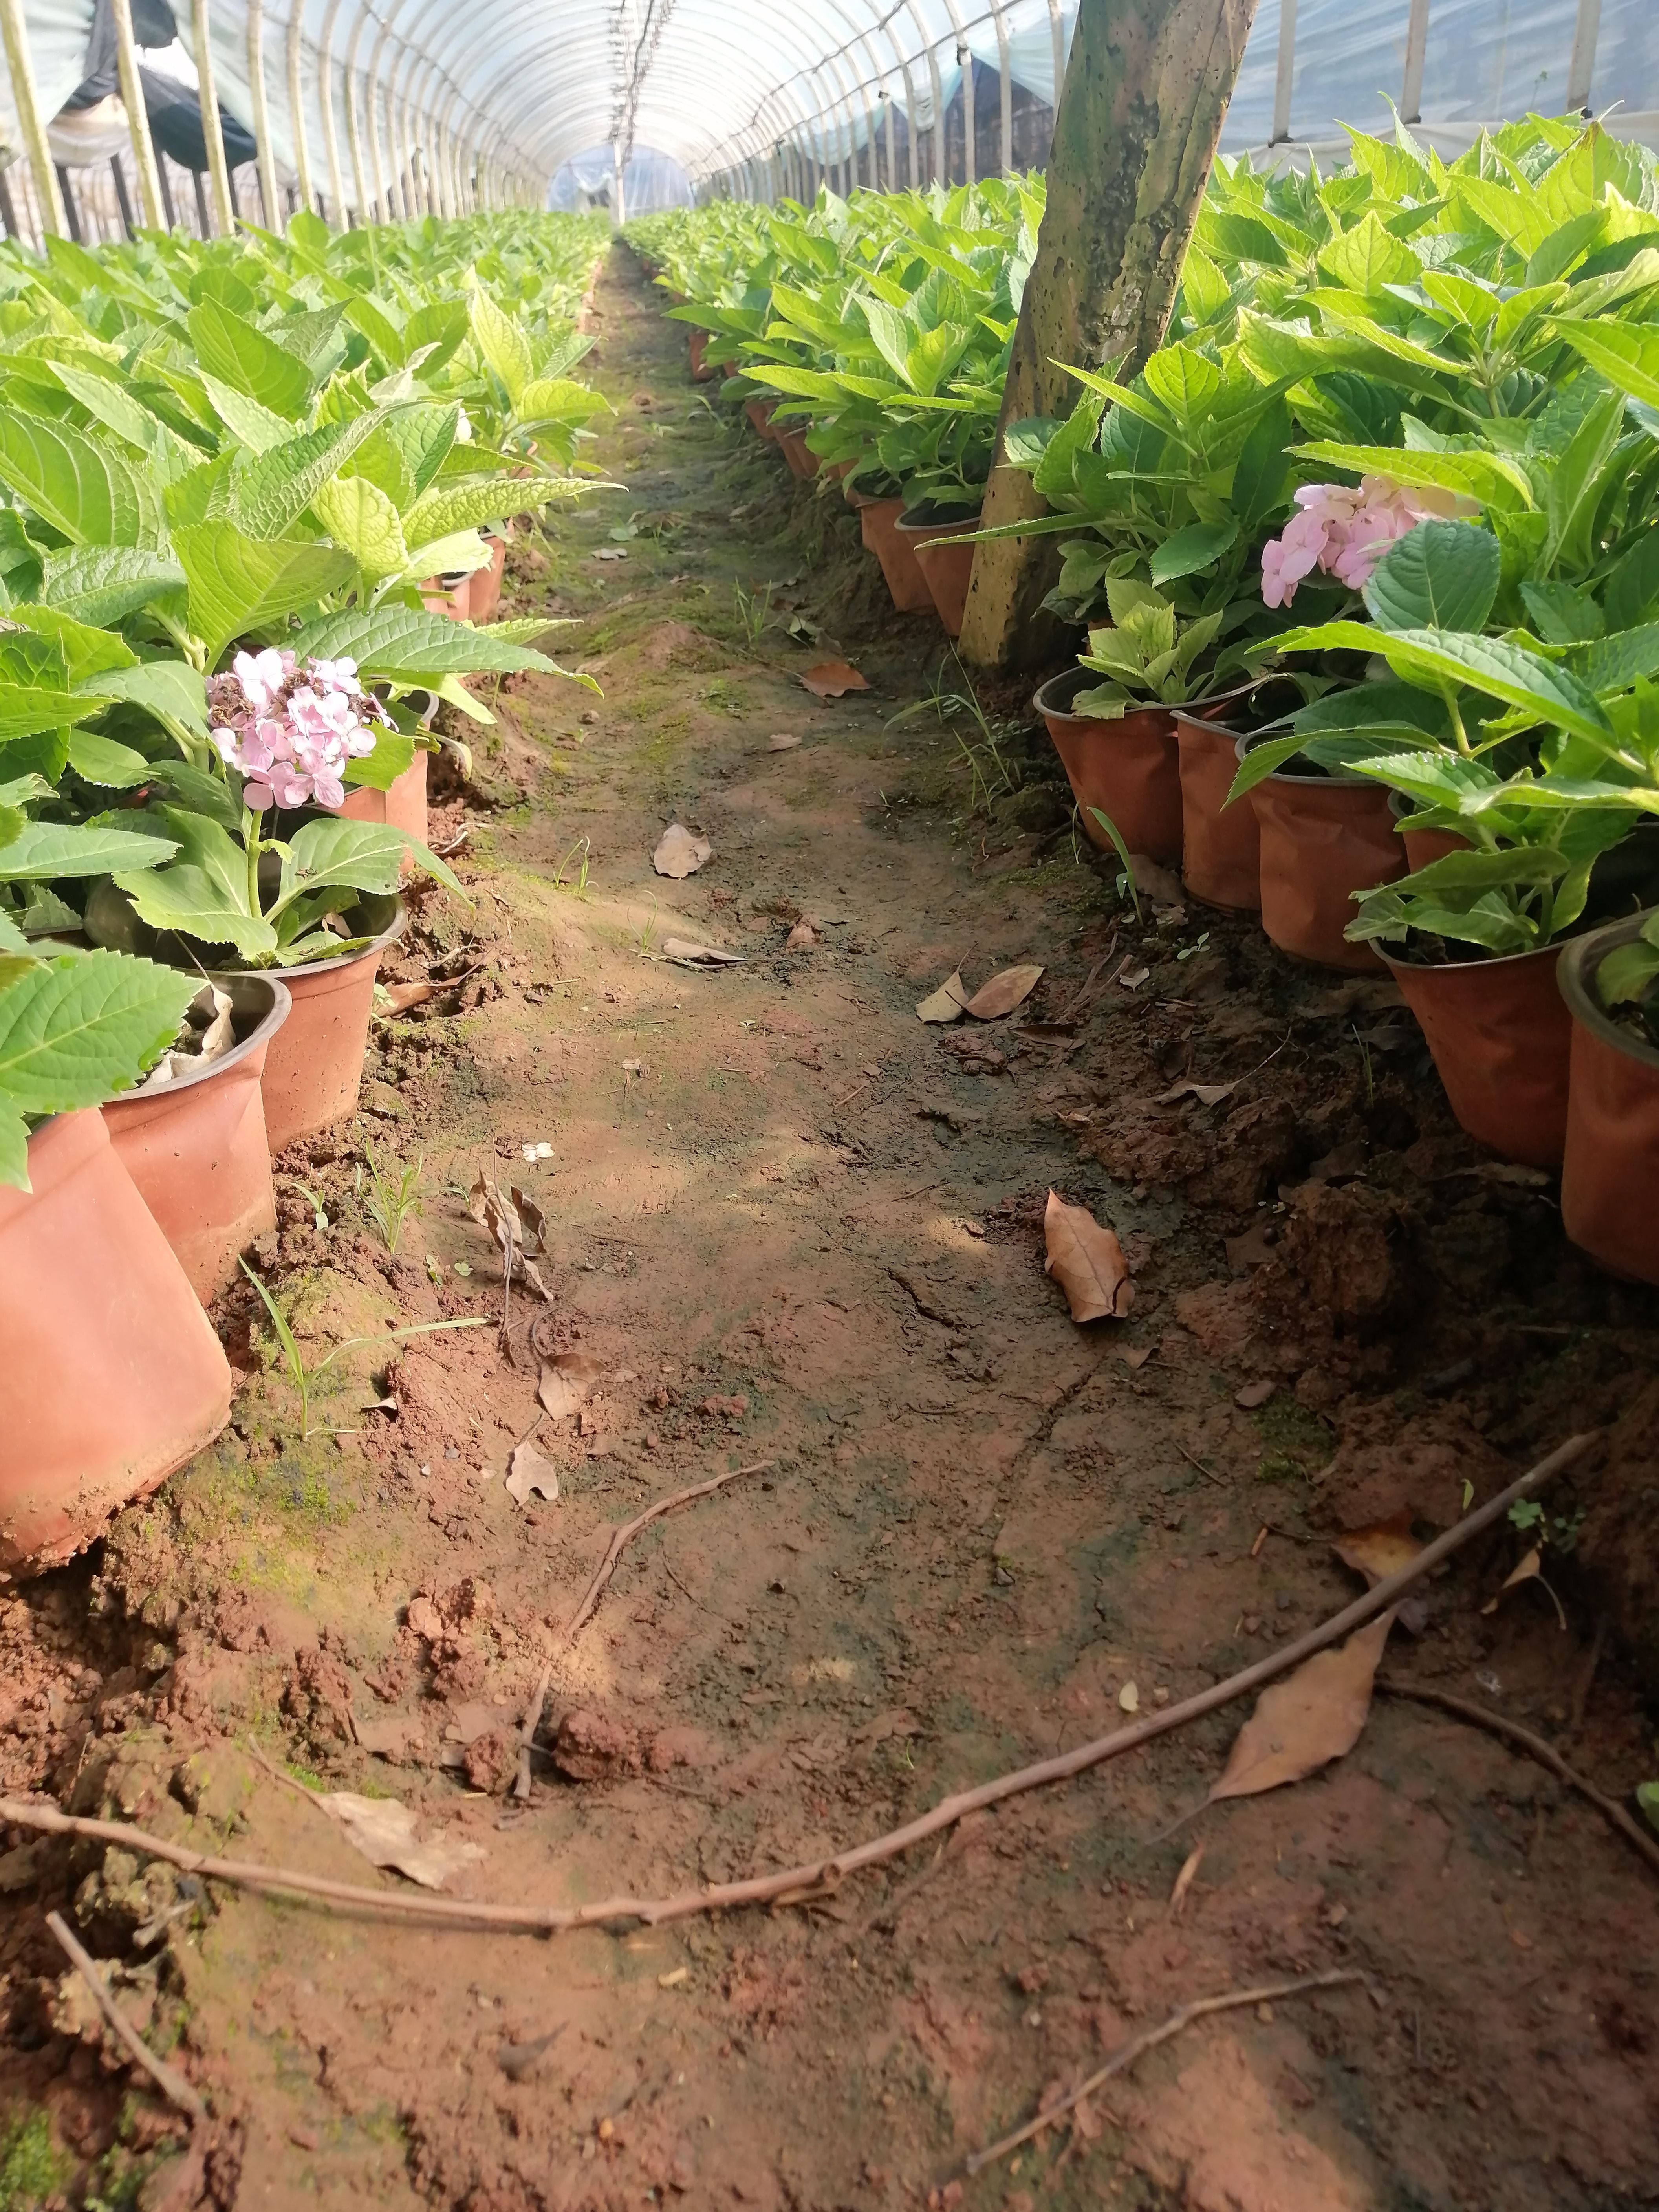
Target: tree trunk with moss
{"x": 1135, "y": 133}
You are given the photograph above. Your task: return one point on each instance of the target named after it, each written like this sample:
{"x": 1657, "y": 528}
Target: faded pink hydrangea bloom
{"x": 290, "y": 733}
{"x": 1345, "y": 532}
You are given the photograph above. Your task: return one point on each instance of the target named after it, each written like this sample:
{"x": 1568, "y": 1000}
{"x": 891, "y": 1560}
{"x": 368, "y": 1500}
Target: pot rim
{"x": 1186, "y": 712}
{"x": 1580, "y": 957}
{"x": 1469, "y": 967}
{"x": 928, "y": 532}
{"x": 394, "y": 928}
{"x": 1325, "y": 780}
{"x": 1100, "y": 721}
{"x": 280, "y": 1007}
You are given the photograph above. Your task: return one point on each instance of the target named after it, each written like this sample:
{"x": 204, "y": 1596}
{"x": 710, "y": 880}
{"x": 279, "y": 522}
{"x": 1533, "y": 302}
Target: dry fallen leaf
{"x": 528, "y": 1471}
{"x": 680, "y": 852}
{"x": 1303, "y": 1723}
{"x": 831, "y": 679}
{"x": 1380, "y": 1550}
{"x": 1529, "y": 1569}
{"x": 495, "y": 1210}
{"x": 384, "y": 1832}
{"x": 610, "y": 553}
{"x": 1250, "y": 1396}
{"x": 561, "y": 1394}
{"x": 803, "y": 937}
{"x": 782, "y": 743}
{"x": 1087, "y": 1262}
{"x": 948, "y": 1004}
{"x": 1003, "y": 994}
{"x": 400, "y": 997}
{"x": 691, "y": 954}
{"x": 1184, "y": 1881}
{"x": 1156, "y": 882}
{"x": 1130, "y": 978}
{"x": 1129, "y": 1697}
{"x": 1207, "y": 1094}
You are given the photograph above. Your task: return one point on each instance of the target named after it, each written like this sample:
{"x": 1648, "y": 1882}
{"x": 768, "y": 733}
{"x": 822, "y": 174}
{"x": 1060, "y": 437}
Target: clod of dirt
{"x": 317, "y": 1697}
{"x": 490, "y": 1761}
{"x": 591, "y": 1748}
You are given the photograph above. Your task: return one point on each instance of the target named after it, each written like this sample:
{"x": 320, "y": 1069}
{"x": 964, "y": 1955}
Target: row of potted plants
{"x": 870, "y": 339}
{"x": 1419, "y": 402}
{"x": 242, "y": 480}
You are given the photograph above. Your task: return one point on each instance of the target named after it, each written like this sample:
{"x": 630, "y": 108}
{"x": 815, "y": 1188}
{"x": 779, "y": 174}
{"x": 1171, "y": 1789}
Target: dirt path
{"x": 785, "y": 1221}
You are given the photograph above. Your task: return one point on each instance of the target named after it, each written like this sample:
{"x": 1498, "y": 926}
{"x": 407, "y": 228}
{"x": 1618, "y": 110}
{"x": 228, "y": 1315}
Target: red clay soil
{"x": 785, "y": 1220}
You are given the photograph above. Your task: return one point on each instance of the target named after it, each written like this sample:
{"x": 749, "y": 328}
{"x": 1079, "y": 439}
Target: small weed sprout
{"x": 318, "y": 1217}
{"x": 304, "y": 1377}
{"x": 1125, "y": 882}
{"x": 1366, "y": 1068}
{"x": 394, "y": 1193}
{"x": 754, "y": 612}
{"x": 990, "y": 776}
{"x": 578, "y": 887}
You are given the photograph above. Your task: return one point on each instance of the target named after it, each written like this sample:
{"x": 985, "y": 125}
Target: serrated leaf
{"x": 187, "y": 898}
{"x": 74, "y": 1031}
{"x": 1185, "y": 552}
{"x": 237, "y": 582}
{"x": 269, "y": 493}
{"x": 252, "y": 425}
{"x": 231, "y": 349}
{"x": 101, "y": 761}
{"x": 104, "y": 584}
{"x": 46, "y": 850}
{"x": 393, "y": 754}
{"x": 363, "y": 522}
{"x": 169, "y": 689}
{"x": 503, "y": 343}
{"x": 26, "y": 709}
{"x": 1367, "y": 258}
{"x": 1626, "y": 354}
{"x": 89, "y": 652}
{"x": 361, "y": 856}
{"x": 84, "y": 489}
{"x": 442, "y": 512}
{"x": 409, "y": 647}
{"x": 557, "y": 399}
{"x": 1441, "y": 575}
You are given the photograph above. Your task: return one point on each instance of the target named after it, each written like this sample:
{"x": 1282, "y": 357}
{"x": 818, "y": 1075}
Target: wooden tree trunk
{"x": 1135, "y": 133}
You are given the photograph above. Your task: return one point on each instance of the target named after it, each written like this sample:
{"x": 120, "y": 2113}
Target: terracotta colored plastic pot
{"x": 802, "y": 461}
{"x": 879, "y": 527}
{"x": 402, "y": 803}
{"x": 1500, "y": 1035}
{"x": 947, "y": 565}
{"x": 1422, "y": 846}
{"x": 759, "y": 412}
{"x": 315, "y": 1065}
{"x": 1128, "y": 768}
{"x": 1220, "y": 845}
{"x": 701, "y": 371}
{"x": 1323, "y": 839}
{"x": 451, "y": 596}
{"x": 111, "y": 1376}
{"x": 196, "y": 1149}
{"x": 484, "y": 598}
{"x": 1610, "y": 1177}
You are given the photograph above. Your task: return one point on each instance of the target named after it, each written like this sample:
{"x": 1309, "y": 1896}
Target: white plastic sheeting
{"x": 399, "y": 106}
{"x": 651, "y": 182}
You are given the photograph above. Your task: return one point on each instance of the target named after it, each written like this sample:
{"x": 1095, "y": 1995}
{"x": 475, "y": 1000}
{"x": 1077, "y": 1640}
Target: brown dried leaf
{"x": 1207, "y": 1094}
{"x": 680, "y": 852}
{"x": 400, "y": 997}
{"x": 384, "y": 1832}
{"x": 1380, "y": 1550}
{"x": 782, "y": 743}
{"x": 1087, "y": 1262}
{"x": 948, "y": 1004}
{"x": 1003, "y": 994}
{"x": 561, "y": 1396}
{"x": 1156, "y": 882}
{"x": 832, "y": 678}
{"x": 527, "y": 1471}
{"x": 1301, "y": 1724}
{"x": 531, "y": 1218}
{"x": 691, "y": 954}
{"x": 803, "y": 937}
{"x": 1250, "y": 1395}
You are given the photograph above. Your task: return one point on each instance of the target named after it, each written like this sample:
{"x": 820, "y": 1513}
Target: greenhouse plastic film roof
{"x": 724, "y": 88}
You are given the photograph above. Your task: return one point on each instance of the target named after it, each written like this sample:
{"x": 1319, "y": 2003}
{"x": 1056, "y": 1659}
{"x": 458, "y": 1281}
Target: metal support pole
{"x": 26, "y": 101}
{"x": 1004, "y": 90}
{"x": 1417, "y": 43}
{"x": 1582, "y": 68}
{"x": 325, "y": 104}
{"x": 212, "y": 129}
{"x": 123, "y": 199}
{"x": 132, "y": 99}
{"x": 365, "y": 212}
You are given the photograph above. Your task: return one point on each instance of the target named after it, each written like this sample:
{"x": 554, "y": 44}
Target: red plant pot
{"x": 878, "y": 527}
{"x": 315, "y": 1065}
{"x": 111, "y": 1375}
{"x": 947, "y": 564}
{"x": 1128, "y": 768}
{"x": 1610, "y": 1173}
{"x": 1501, "y": 1037}
{"x": 1323, "y": 838}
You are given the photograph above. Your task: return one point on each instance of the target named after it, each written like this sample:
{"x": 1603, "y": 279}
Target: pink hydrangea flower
{"x": 1345, "y": 530}
{"x": 290, "y": 733}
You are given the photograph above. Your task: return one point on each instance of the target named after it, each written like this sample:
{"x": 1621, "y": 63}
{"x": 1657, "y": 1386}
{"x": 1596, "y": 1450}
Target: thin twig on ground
{"x": 622, "y": 1537}
{"x": 1148, "y": 2040}
{"x": 1581, "y": 1693}
{"x": 812, "y": 1880}
{"x": 168, "y": 2079}
{"x": 1545, "y": 1752}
